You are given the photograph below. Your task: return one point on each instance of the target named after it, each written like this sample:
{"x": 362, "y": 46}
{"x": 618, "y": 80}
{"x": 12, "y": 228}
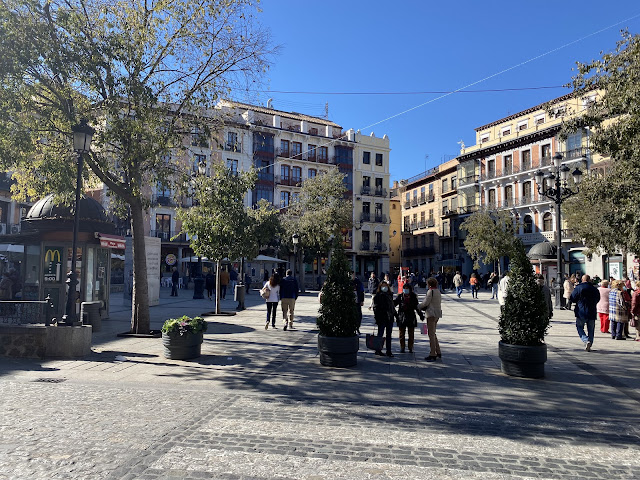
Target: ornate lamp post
{"x": 554, "y": 186}
{"x": 295, "y": 238}
{"x": 82, "y": 135}
{"x": 198, "y": 280}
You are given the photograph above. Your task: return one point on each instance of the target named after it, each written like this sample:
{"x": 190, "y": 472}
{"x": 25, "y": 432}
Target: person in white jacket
{"x": 502, "y": 289}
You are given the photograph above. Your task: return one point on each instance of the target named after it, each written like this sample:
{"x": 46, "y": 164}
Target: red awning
{"x": 111, "y": 241}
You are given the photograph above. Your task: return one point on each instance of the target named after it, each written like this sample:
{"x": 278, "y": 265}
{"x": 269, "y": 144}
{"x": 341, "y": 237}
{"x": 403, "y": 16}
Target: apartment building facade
{"x": 497, "y": 173}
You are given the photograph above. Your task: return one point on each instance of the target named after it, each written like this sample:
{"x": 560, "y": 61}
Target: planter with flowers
{"x": 182, "y": 337}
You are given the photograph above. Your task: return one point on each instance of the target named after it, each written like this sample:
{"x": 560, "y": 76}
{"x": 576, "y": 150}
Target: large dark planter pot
{"x": 338, "y": 351}
{"x": 522, "y": 361}
{"x": 182, "y": 347}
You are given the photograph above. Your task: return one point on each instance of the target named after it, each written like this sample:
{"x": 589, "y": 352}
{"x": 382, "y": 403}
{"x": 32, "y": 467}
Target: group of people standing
{"x": 404, "y": 310}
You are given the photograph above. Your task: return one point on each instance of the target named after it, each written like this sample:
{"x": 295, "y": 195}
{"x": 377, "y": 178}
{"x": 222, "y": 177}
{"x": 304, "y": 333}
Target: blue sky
{"x": 417, "y": 46}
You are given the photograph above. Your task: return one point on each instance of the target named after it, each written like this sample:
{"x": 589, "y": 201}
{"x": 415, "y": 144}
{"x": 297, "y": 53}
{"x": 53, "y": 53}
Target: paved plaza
{"x": 258, "y": 405}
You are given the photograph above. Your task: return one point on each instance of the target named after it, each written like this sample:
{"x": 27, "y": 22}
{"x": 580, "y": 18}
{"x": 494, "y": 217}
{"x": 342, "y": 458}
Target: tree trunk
{"x": 217, "y": 286}
{"x": 301, "y": 270}
{"x": 140, "y": 320}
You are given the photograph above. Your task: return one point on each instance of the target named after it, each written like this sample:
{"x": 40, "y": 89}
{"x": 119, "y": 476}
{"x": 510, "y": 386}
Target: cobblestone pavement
{"x": 258, "y": 406}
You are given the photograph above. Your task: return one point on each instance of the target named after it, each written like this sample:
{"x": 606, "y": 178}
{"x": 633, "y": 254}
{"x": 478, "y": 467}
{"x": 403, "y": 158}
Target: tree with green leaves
{"x": 524, "y": 320}
{"x": 218, "y": 223}
{"x": 145, "y": 74}
{"x": 603, "y": 212}
{"x": 490, "y": 236}
{"x": 266, "y": 227}
{"x": 319, "y": 214}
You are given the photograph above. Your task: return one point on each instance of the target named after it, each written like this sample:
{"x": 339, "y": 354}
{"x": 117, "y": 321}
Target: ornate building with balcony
{"x": 497, "y": 173}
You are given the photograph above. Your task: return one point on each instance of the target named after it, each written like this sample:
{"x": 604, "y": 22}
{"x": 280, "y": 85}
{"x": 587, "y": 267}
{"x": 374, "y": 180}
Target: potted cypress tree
{"x": 337, "y": 321}
{"x": 524, "y": 321}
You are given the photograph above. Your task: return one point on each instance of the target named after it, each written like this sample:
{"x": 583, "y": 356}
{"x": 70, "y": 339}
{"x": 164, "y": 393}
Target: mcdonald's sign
{"x": 53, "y": 264}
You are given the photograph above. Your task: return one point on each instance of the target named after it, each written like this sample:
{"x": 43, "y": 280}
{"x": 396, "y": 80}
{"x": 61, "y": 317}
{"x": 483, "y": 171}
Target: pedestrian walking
{"x": 247, "y": 283}
{"x": 635, "y": 311}
{"x": 475, "y": 286}
{"x": 495, "y": 281}
{"x": 288, "y": 296}
{"x": 372, "y": 284}
{"x": 175, "y": 278}
{"x": 458, "y": 282}
{"x": 358, "y": 293}
{"x": 603, "y": 306}
{"x": 569, "y": 285}
{"x": 224, "y": 281}
{"x": 233, "y": 279}
{"x": 586, "y": 298}
{"x": 546, "y": 293}
{"x": 407, "y": 303}
{"x": 210, "y": 283}
{"x": 618, "y": 314}
{"x": 384, "y": 314}
{"x": 273, "y": 284}
{"x": 432, "y": 305}
{"x": 503, "y": 285}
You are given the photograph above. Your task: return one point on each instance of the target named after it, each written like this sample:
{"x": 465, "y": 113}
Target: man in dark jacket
{"x": 175, "y": 278}
{"x": 585, "y": 297}
{"x": 288, "y": 296}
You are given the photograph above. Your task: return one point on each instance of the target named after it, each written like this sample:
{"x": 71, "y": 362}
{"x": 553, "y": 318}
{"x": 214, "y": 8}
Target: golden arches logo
{"x": 51, "y": 255}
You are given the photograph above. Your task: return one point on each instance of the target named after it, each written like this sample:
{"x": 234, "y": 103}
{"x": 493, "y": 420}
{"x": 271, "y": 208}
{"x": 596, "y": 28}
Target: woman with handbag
{"x": 433, "y": 305}
{"x": 384, "y": 314}
{"x": 271, "y": 293}
{"x": 407, "y": 303}
{"x": 618, "y": 314}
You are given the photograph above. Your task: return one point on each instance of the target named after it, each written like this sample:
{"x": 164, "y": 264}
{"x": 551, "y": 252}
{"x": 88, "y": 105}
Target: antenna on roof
{"x": 326, "y": 111}
{"x": 269, "y": 105}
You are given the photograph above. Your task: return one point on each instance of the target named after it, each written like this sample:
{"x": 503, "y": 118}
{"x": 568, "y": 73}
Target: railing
{"x": 289, "y": 181}
{"x": 366, "y": 246}
{"x": 413, "y": 226}
{"x": 310, "y": 157}
{"x": 322, "y": 159}
{"x": 422, "y": 224}
{"x": 446, "y": 232}
{"x": 425, "y": 174}
{"x": 431, "y": 222}
{"x": 365, "y": 190}
{"x": 380, "y": 247}
{"x": 431, "y": 197}
{"x": 365, "y": 217}
{"x": 162, "y": 200}
{"x": 449, "y": 211}
{"x": 422, "y": 199}
{"x": 471, "y": 179}
{"x": 414, "y": 202}
{"x": 407, "y": 204}
{"x": 380, "y": 219}
{"x": 167, "y": 236}
{"x": 413, "y": 252}
{"x": 20, "y": 312}
{"x": 233, "y": 147}
{"x": 575, "y": 154}
{"x": 468, "y": 209}
{"x": 380, "y": 192}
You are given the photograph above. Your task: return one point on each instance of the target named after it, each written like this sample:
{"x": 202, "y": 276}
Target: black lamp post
{"x": 82, "y": 135}
{"x": 554, "y": 186}
{"x": 198, "y": 280}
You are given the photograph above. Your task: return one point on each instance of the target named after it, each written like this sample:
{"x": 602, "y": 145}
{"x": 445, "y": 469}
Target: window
{"x": 431, "y": 240}
{"x": 323, "y": 154}
{"x": 284, "y": 148}
{"x": 431, "y": 192}
{"x": 296, "y": 150}
{"x": 546, "y": 151}
{"x": 508, "y": 196}
{"x": 295, "y": 196}
{"x": 422, "y": 217}
{"x": 378, "y": 211}
{"x": 199, "y": 138}
{"x": 445, "y": 185}
{"x": 526, "y": 160}
{"x": 163, "y": 225}
{"x": 284, "y": 172}
{"x": 378, "y": 238}
{"x": 366, "y": 158}
{"x": 344, "y": 155}
{"x": 365, "y": 238}
{"x": 528, "y": 224}
{"x": 313, "y": 131}
{"x": 485, "y": 138}
{"x": 232, "y": 165}
{"x": 199, "y": 160}
{"x": 379, "y": 159}
{"x": 311, "y": 153}
{"x": 407, "y": 197}
{"x": 491, "y": 168}
{"x": 445, "y": 207}
{"x": 366, "y": 208}
{"x": 453, "y": 183}
{"x": 296, "y": 174}
{"x": 454, "y": 204}
{"x": 263, "y": 192}
{"x": 508, "y": 163}
{"x": 263, "y": 142}
{"x": 424, "y": 241}
{"x": 506, "y": 131}
{"x": 366, "y": 182}
{"x": 526, "y": 190}
{"x": 431, "y": 214}
{"x": 559, "y": 112}
{"x": 492, "y": 198}
{"x": 312, "y": 172}
{"x": 588, "y": 101}
{"x": 393, "y": 207}
{"x": 574, "y": 143}
{"x": 284, "y": 199}
{"x": 523, "y": 126}
{"x": 547, "y": 222}
{"x": 539, "y": 120}
{"x": 406, "y": 223}
{"x": 415, "y": 195}
{"x": 378, "y": 184}
{"x": 232, "y": 142}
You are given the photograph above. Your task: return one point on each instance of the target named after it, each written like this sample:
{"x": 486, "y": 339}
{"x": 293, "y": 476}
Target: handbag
{"x": 424, "y": 329}
{"x": 374, "y": 342}
{"x": 265, "y": 292}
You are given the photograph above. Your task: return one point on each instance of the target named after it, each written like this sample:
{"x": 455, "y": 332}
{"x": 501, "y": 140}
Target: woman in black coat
{"x": 384, "y": 313}
{"x": 407, "y": 303}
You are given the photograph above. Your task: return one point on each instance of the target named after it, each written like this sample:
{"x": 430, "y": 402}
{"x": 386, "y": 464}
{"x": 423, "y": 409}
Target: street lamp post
{"x": 554, "y": 186}
{"x": 198, "y": 279}
{"x": 82, "y": 135}
{"x": 295, "y": 238}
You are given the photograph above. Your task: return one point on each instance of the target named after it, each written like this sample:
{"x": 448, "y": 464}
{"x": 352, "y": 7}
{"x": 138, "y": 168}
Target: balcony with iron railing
{"x": 468, "y": 209}
{"x": 365, "y": 246}
{"x": 407, "y": 205}
{"x": 414, "y": 202}
{"x": 380, "y": 192}
{"x": 365, "y": 216}
{"x": 288, "y": 181}
{"x": 447, "y": 212}
{"x": 167, "y": 236}
{"x": 365, "y": 190}
{"x": 163, "y": 200}
{"x": 422, "y": 224}
{"x": 431, "y": 197}
{"x": 413, "y": 226}
{"x": 380, "y": 218}
{"x": 233, "y": 147}
{"x": 469, "y": 180}
{"x": 545, "y": 161}
{"x": 431, "y": 223}
{"x": 422, "y": 199}
{"x": 379, "y": 247}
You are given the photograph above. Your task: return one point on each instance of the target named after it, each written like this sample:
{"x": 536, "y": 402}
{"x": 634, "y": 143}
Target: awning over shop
{"x": 111, "y": 241}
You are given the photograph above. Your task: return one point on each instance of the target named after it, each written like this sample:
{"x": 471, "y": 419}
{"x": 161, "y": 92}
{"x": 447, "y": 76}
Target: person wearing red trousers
{"x": 603, "y": 306}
